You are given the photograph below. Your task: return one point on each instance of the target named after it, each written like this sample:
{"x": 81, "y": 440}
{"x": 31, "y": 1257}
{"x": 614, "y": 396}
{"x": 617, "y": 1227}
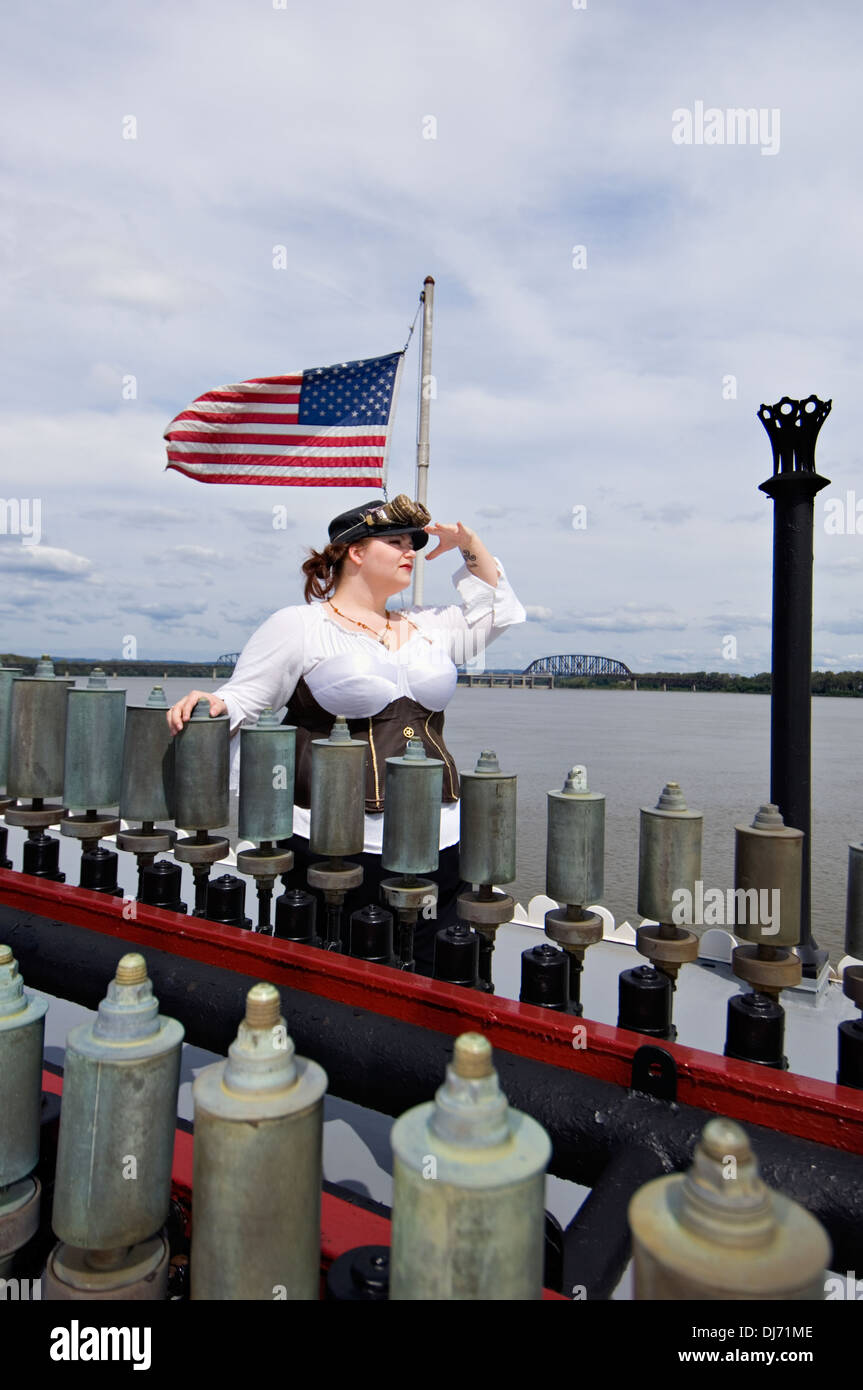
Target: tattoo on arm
{"x": 470, "y": 559}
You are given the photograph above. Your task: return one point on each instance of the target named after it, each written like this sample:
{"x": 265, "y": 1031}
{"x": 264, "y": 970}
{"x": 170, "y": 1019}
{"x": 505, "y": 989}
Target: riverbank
{"x": 843, "y": 683}
{"x": 122, "y": 670}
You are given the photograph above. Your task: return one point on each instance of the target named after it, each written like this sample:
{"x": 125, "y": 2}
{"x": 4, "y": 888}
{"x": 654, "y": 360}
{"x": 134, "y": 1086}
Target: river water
{"x": 717, "y": 746}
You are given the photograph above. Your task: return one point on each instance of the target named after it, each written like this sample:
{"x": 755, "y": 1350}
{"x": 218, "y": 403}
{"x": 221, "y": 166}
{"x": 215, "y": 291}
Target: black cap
{"x": 400, "y": 517}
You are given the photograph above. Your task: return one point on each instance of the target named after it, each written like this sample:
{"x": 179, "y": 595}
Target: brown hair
{"x": 323, "y": 570}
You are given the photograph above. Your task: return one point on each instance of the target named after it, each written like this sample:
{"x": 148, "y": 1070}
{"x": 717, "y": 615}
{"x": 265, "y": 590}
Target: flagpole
{"x": 423, "y": 433}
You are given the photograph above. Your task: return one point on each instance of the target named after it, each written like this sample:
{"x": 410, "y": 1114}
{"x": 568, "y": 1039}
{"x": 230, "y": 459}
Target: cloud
{"x": 198, "y": 555}
{"x": 736, "y": 622}
{"x": 536, "y": 613}
{"x": 24, "y": 598}
{"x": 629, "y": 618}
{"x": 168, "y": 615}
{"x": 69, "y": 455}
{"x": 244, "y": 622}
{"x": 672, "y": 514}
{"x": 494, "y": 513}
{"x": 681, "y": 657}
{"x": 263, "y": 521}
{"x": 853, "y": 625}
{"x": 140, "y": 517}
{"x": 72, "y": 620}
{"x": 844, "y": 564}
{"x": 44, "y": 560}
{"x": 116, "y": 274}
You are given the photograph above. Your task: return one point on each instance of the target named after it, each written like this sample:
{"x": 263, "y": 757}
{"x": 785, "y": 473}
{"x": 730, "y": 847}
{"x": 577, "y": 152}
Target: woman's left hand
{"x": 449, "y": 535}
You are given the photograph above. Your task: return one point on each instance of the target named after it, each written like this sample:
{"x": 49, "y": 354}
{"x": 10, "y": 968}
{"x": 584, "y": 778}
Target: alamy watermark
{"x": 849, "y": 1288}
{"x": 843, "y": 517}
{"x": 22, "y": 516}
{"x": 20, "y": 1290}
{"x": 736, "y": 125}
{"x": 77, "y": 1343}
{"x": 729, "y": 387}
{"x": 717, "y": 907}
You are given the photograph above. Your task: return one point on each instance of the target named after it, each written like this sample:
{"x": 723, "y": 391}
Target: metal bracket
{"x": 654, "y": 1073}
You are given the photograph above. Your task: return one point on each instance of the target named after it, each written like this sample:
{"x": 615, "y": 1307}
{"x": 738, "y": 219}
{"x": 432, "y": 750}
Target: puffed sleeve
{"x": 268, "y": 668}
{"x": 493, "y": 608}
{"x": 485, "y": 611}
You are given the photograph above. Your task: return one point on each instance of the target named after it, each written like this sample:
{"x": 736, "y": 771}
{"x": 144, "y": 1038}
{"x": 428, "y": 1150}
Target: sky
{"x": 617, "y": 290}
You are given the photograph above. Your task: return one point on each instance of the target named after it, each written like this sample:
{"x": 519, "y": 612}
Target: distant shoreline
{"x": 848, "y": 684}
{"x": 80, "y": 666}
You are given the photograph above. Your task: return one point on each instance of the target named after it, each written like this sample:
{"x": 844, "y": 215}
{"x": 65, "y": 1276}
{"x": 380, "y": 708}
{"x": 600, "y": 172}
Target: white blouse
{"x": 352, "y": 674}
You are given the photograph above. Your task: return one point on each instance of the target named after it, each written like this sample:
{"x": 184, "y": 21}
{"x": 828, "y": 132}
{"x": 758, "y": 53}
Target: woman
{"x": 389, "y": 672}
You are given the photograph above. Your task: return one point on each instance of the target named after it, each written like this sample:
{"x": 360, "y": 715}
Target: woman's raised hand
{"x": 476, "y": 557}
{"x": 180, "y": 713}
{"x": 449, "y": 535}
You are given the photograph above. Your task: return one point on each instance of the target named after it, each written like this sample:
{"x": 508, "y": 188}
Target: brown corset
{"x": 386, "y": 734}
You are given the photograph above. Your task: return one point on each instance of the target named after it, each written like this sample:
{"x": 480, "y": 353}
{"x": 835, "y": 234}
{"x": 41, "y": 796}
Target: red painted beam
{"x": 799, "y": 1105}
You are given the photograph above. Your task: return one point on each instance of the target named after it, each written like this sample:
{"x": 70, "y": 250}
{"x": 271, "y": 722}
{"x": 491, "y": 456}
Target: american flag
{"x": 326, "y": 427}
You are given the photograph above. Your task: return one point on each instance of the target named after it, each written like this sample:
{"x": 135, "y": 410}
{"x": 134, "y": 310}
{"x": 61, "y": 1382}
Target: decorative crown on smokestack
{"x": 793, "y": 428}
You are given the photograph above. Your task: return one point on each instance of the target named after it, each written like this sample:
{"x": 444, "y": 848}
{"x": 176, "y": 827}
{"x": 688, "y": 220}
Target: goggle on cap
{"x": 400, "y": 517}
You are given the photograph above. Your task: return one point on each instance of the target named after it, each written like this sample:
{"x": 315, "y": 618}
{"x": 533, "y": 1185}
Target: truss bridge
{"x": 579, "y": 666}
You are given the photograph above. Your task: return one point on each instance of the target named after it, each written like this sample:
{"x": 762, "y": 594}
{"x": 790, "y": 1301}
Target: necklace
{"x": 379, "y": 636}
{"x": 382, "y": 635}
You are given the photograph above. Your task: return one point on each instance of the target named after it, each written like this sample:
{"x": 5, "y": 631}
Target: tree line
{"x": 80, "y": 666}
{"x": 848, "y": 683}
